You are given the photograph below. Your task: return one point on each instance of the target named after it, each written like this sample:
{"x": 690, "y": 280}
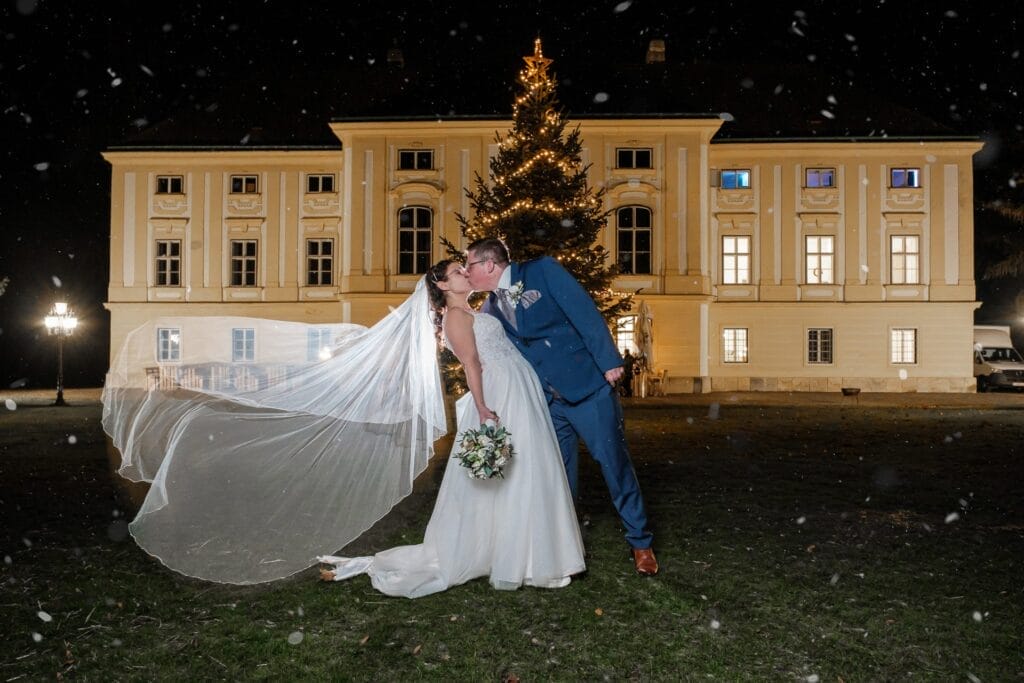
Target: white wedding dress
{"x": 519, "y": 530}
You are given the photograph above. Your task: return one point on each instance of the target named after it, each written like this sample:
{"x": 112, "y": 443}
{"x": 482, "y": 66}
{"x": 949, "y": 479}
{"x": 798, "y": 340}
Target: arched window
{"x": 634, "y": 239}
{"x": 415, "y": 229}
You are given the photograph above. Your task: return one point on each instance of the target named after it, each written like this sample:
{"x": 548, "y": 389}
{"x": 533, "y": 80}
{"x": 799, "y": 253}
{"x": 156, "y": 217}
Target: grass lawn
{"x": 797, "y": 542}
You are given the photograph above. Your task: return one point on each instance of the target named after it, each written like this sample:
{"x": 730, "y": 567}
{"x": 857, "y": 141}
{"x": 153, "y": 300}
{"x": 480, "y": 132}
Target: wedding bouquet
{"x": 485, "y": 451}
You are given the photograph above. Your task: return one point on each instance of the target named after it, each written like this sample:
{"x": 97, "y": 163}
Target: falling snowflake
{"x": 45, "y": 616}
{"x": 56, "y": 281}
{"x": 622, "y": 6}
{"x": 146, "y": 70}
{"x": 295, "y": 637}
{"x": 72, "y": 439}
{"x": 801, "y": 519}
{"x": 715, "y": 624}
{"x": 827, "y": 114}
{"x": 601, "y": 97}
{"x": 37, "y": 637}
{"x": 977, "y": 616}
{"x": 952, "y": 517}
{"x": 42, "y": 166}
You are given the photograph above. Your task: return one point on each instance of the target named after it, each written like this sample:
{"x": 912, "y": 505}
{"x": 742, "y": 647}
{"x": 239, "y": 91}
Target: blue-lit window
{"x": 905, "y": 177}
{"x": 820, "y": 177}
{"x": 735, "y": 179}
{"x": 243, "y": 344}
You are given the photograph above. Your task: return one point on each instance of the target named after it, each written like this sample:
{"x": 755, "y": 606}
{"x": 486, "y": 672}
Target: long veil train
{"x": 268, "y": 443}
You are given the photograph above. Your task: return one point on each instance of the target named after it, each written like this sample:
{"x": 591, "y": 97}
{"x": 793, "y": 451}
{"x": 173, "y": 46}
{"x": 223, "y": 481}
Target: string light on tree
{"x": 536, "y": 196}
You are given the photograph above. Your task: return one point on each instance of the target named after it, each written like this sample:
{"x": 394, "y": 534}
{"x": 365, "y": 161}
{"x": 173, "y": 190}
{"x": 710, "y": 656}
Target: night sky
{"x": 76, "y": 78}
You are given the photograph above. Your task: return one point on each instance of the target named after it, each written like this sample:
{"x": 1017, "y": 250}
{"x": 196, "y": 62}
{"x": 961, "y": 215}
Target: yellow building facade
{"x": 777, "y": 266}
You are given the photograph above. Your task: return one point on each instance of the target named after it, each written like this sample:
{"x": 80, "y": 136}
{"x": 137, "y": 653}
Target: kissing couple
{"x": 247, "y": 483}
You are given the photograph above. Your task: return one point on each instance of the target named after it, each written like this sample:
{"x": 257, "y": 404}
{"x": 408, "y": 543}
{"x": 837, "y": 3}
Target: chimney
{"x": 656, "y": 51}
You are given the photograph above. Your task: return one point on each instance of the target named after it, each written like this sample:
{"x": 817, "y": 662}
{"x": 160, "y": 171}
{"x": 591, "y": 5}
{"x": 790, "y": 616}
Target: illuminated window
{"x": 415, "y": 228}
{"x": 819, "y": 346}
{"x": 820, "y": 177}
{"x": 735, "y": 179}
{"x": 904, "y": 177}
{"x": 905, "y": 259}
{"x": 168, "y": 263}
{"x": 634, "y": 239}
{"x": 734, "y": 345}
{"x": 318, "y": 344}
{"x": 736, "y": 260}
{"x": 625, "y": 337}
{"x": 820, "y": 257}
{"x": 903, "y": 346}
{"x": 168, "y": 344}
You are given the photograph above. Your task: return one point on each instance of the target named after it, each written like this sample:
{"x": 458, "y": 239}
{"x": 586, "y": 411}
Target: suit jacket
{"x": 562, "y": 334}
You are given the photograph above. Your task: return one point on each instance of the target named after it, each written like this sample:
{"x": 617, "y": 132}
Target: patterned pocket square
{"x": 529, "y": 297}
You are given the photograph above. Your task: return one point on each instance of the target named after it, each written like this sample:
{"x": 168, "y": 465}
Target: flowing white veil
{"x": 268, "y": 443}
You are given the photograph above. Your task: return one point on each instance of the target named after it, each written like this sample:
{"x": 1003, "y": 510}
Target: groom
{"x": 556, "y": 325}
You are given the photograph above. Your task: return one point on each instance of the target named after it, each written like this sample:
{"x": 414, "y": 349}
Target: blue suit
{"x": 566, "y": 340}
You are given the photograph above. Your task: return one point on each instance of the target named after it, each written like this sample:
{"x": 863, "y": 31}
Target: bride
{"x": 520, "y": 530}
{"x": 266, "y": 443}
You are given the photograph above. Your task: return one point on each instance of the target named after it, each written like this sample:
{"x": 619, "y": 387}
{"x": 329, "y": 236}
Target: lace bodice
{"x": 491, "y": 342}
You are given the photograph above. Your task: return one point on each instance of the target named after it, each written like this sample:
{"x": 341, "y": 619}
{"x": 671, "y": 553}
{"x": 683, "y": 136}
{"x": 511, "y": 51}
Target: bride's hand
{"x": 486, "y": 414}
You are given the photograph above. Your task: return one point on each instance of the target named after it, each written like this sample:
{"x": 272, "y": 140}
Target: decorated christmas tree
{"x": 536, "y": 196}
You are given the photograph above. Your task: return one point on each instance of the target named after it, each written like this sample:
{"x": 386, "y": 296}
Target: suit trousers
{"x": 598, "y": 421}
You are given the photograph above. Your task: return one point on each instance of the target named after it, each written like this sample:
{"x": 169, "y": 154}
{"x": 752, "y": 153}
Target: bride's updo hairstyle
{"x": 437, "y": 273}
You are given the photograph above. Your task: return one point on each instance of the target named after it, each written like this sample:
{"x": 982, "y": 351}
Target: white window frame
{"x": 905, "y": 259}
{"x": 415, "y": 160}
{"x": 170, "y": 184}
{"x": 625, "y": 334}
{"x": 316, "y": 182}
{"x": 819, "y": 177}
{"x": 734, "y": 179}
{"x": 420, "y": 264}
{"x": 735, "y": 345}
{"x": 736, "y": 259}
{"x": 168, "y": 344}
{"x": 820, "y": 345}
{"x": 318, "y": 344}
{"x": 245, "y": 265}
{"x": 319, "y": 265}
{"x": 247, "y": 184}
{"x": 819, "y": 257}
{"x": 243, "y": 345}
{"x": 904, "y": 176}
{"x": 168, "y": 264}
{"x": 634, "y": 212}
{"x": 903, "y": 346}
{"x": 632, "y": 156}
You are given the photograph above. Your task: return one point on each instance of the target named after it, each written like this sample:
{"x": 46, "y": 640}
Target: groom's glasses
{"x": 473, "y": 263}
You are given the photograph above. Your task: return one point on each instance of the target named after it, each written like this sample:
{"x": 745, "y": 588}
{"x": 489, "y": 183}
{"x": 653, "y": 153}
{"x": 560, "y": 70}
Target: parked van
{"x": 997, "y": 365}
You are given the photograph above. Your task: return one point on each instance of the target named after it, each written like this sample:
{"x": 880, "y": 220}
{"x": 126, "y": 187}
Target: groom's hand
{"x": 613, "y": 375}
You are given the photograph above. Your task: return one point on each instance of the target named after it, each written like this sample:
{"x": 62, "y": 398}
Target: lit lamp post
{"x": 62, "y": 323}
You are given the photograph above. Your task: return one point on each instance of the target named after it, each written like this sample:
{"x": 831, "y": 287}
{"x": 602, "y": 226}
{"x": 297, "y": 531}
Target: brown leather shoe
{"x": 646, "y": 563}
